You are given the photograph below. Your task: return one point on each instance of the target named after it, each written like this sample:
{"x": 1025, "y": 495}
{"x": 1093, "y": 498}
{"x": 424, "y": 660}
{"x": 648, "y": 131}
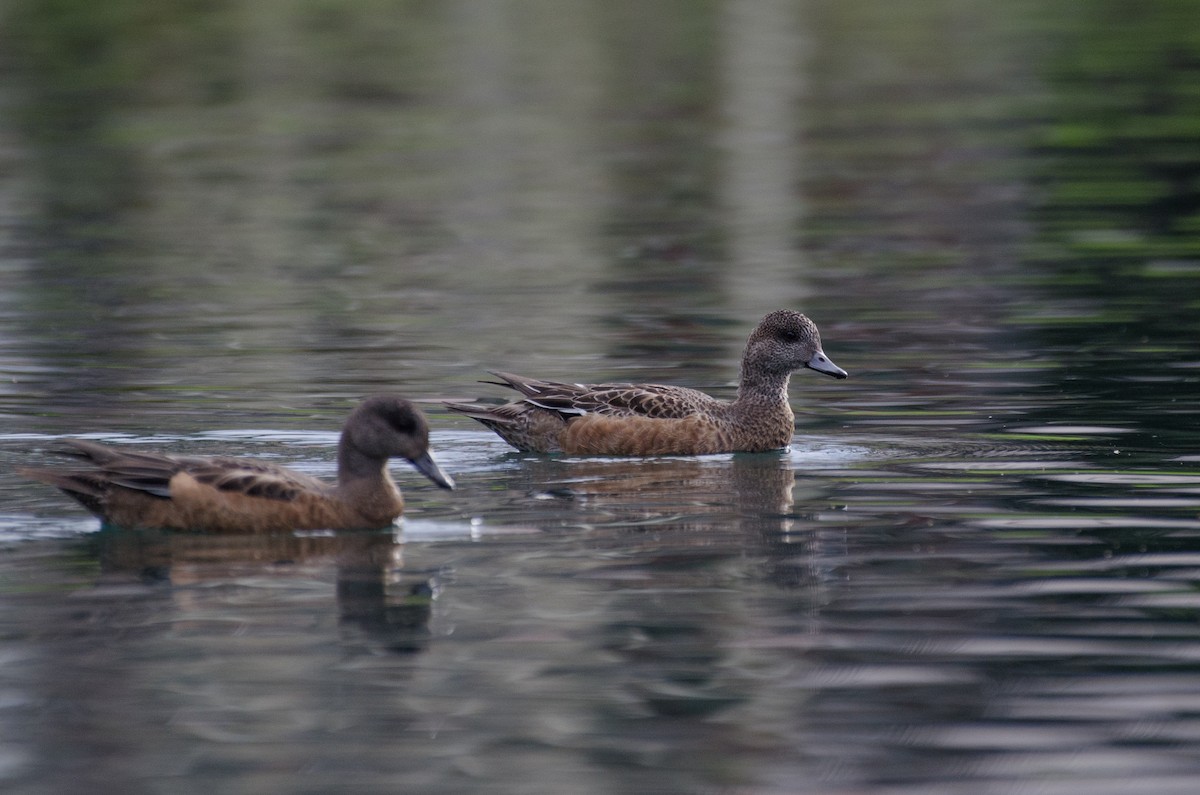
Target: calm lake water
{"x": 977, "y": 569}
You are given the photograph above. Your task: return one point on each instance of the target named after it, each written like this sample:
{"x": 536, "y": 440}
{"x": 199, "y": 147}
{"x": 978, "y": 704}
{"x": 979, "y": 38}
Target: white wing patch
{"x": 557, "y": 409}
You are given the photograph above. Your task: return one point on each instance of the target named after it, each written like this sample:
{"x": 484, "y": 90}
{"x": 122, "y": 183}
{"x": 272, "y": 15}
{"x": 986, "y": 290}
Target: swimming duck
{"x": 653, "y": 419}
{"x": 131, "y": 489}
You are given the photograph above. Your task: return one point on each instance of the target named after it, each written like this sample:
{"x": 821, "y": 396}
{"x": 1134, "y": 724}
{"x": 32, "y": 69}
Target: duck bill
{"x": 430, "y": 469}
{"x": 822, "y": 364}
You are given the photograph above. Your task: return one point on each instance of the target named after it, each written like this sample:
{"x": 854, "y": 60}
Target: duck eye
{"x": 401, "y": 421}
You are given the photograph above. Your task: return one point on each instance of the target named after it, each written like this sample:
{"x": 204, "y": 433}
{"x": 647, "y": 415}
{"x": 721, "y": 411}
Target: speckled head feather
{"x": 653, "y": 419}
{"x": 131, "y": 489}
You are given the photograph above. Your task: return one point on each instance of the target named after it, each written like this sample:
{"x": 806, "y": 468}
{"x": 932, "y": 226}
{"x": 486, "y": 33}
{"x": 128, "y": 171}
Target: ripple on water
{"x": 1136, "y": 502}
{"x": 1060, "y": 522}
{"x": 818, "y": 454}
{"x": 1021, "y": 466}
{"x": 1120, "y": 478}
{"x": 1072, "y": 430}
{"x": 22, "y": 527}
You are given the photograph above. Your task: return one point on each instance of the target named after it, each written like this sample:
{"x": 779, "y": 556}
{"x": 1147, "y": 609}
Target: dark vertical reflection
{"x": 1118, "y": 175}
{"x": 77, "y": 70}
{"x": 666, "y": 243}
{"x": 78, "y": 75}
{"x": 910, "y": 179}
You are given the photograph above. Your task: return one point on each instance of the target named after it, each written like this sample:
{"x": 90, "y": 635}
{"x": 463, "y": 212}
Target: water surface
{"x": 974, "y": 571}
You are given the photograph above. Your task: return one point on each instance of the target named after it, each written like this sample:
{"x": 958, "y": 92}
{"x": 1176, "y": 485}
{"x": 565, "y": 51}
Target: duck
{"x": 146, "y": 490}
{"x": 654, "y": 419}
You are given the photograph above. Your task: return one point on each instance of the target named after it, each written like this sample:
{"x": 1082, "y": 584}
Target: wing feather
{"x": 657, "y": 401}
{"x": 151, "y": 473}
{"x": 251, "y": 478}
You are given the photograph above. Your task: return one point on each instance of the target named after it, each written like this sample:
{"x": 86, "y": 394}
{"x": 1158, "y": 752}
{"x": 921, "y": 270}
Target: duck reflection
{"x": 677, "y": 538}
{"x": 669, "y": 507}
{"x": 679, "y": 493}
{"x": 381, "y": 606}
{"x": 389, "y": 608}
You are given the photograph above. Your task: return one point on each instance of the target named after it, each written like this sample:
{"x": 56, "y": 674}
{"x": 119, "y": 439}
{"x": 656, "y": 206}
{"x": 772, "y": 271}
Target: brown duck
{"x": 652, "y": 419}
{"x": 131, "y": 489}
